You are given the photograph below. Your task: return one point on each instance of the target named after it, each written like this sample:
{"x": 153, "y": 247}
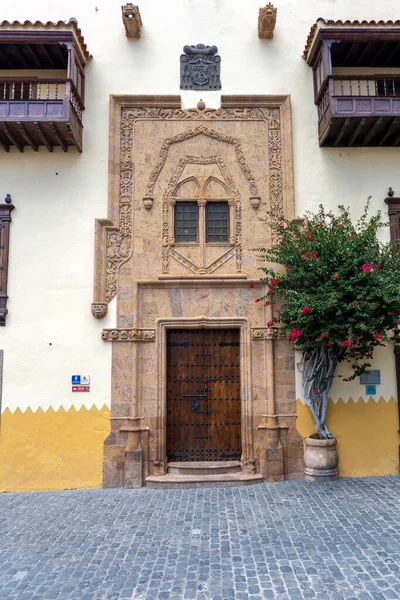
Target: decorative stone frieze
{"x": 267, "y": 21}
{"x": 128, "y": 335}
{"x": 267, "y": 333}
{"x": 200, "y": 68}
{"x": 132, "y": 20}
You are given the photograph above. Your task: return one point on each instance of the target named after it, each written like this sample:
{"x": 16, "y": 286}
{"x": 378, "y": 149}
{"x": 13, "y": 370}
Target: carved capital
{"x": 128, "y": 335}
{"x": 132, "y": 20}
{"x": 267, "y": 21}
{"x": 99, "y": 309}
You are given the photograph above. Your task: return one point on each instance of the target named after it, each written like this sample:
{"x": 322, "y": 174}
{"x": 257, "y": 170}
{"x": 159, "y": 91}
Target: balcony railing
{"x": 40, "y": 101}
{"x": 372, "y": 100}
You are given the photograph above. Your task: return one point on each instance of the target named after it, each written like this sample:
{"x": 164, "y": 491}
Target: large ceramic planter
{"x": 320, "y": 460}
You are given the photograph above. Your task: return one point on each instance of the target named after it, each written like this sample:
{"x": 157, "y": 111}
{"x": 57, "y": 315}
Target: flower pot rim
{"x": 318, "y": 442}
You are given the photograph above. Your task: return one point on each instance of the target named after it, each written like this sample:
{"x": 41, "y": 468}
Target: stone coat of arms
{"x": 200, "y": 68}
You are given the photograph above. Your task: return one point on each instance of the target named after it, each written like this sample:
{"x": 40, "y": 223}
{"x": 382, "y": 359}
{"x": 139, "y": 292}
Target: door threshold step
{"x": 216, "y": 467}
{"x": 172, "y": 481}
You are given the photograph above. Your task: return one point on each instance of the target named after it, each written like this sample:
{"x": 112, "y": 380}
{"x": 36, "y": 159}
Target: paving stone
{"x": 291, "y": 540}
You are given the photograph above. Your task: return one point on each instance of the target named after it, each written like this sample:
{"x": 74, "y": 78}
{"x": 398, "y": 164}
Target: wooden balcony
{"x": 359, "y": 111}
{"x": 40, "y": 112}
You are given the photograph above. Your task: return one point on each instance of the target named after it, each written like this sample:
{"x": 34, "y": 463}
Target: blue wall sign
{"x": 75, "y": 379}
{"x": 370, "y": 390}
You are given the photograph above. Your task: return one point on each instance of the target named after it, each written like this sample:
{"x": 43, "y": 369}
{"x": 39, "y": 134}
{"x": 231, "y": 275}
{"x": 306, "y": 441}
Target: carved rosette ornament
{"x": 128, "y": 335}
{"x": 99, "y": 309}
{"x": 267, "y": 21}
{"x": 132, "y": 20}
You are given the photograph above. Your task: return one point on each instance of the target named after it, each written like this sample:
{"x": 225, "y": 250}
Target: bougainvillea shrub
{"x": 338, "y": 289}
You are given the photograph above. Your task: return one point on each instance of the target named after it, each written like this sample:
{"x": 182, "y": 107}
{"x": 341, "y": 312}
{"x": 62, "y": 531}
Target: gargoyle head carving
{"x": 267, "y": 21}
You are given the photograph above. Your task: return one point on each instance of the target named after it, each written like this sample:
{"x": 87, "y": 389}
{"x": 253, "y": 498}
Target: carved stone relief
{"x": 132, "y": 20}
{"x": 267, "y": 333}
{"x": 128, "y": 335}
{"x": 118, "y": 238}
{"x": 267, "y": 21}
{"x": 200, "y": 68}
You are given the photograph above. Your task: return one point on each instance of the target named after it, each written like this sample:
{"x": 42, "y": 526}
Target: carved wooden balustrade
{"x": 40, "y": 111}
{"x": 359, "y": 110}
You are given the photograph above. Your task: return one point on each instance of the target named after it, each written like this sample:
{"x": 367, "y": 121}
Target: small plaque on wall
{"x": 370, "y": 377}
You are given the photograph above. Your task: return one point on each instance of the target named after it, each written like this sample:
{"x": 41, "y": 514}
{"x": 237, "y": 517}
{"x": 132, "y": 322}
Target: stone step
{"x": 173, "y": 481}
{"x": 217, "y": 467}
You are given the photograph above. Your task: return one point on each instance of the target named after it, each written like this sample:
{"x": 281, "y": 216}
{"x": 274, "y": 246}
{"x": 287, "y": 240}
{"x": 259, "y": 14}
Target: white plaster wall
{"x": 58, "y": 196}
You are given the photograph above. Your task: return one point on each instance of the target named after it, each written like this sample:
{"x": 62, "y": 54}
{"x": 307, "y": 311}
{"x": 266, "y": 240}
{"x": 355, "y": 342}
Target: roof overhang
{"x": 62, "y": 31}
{"x": 328, "y": 29}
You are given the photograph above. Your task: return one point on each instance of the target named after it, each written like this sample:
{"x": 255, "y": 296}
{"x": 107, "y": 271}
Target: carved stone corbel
{"x": 132, "y": 20}
{"x": 267, "y": 21}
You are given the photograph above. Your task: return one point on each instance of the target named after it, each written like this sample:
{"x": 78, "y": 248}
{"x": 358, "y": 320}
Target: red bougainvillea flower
{"x": 368, "y": 267}
{"x": 305, "y": 310}
{"x": 251, "y": 285}
{"x": 330, "y": 343}
{"x": 269, "y": 324}
{"x": 270, "y": 292}
{"x": 296, "y": 334}
{"x": 308, "y": 234}
{"x": 377, "y": 336}
{"x": 325, "y": 336}
{"x": 257, "y": 300}
{"x": 267, "y": 303}
{"x": 335, "y": 275}
{"x": 355, "y": 303}
{"x": 274, "y": 281}
{"x": 309, "y": 255}
{"x": 391, "y": 314}
{"x": 347, "y": 343}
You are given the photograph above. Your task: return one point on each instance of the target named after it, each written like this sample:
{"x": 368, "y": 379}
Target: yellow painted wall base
{"x": 366, "y": 432}
{"x": 52, "y": 450}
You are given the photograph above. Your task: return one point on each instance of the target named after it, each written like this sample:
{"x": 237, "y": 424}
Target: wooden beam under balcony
{"x": 27, "y": 136}
{"x": 10, "y": 135}
{"x": 357, "y": 131}
{"x": 43, "y": 137}
{"x": 341, "y": 132}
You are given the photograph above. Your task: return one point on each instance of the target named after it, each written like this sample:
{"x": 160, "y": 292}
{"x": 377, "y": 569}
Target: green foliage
{"x": 340, "y": 287}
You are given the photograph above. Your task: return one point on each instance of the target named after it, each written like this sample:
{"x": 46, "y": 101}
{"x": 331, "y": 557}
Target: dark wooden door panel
{"x": 203, "y": 395}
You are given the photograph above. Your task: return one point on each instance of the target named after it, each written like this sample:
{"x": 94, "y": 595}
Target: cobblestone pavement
{"x": 288, "y": 540}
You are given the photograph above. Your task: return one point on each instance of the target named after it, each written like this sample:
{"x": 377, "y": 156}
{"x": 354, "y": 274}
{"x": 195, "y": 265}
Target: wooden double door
{"x": 203, "y": 395}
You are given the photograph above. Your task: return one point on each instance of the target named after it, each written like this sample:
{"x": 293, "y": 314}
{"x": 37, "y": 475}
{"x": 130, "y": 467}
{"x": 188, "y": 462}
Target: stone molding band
{"x": 267, "y": 333}
{"x": 128, "y": 335}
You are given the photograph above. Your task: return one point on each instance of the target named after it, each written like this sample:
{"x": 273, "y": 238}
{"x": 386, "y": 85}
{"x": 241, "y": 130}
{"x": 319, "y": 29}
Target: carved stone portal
{"x": 267, "y": 21}
{"x": 197, "y": 158}
{"x": 200, "y": 68}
